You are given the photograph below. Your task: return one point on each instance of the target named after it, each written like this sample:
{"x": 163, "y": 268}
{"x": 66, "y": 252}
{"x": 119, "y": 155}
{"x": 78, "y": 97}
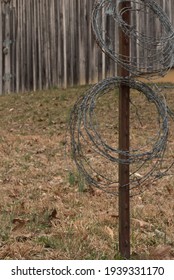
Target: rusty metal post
{"x": 124, "y": 112}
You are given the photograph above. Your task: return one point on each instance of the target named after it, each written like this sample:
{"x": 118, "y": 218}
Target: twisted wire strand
{"x": 84, "y": 133}
{"x": 159, "y": 58}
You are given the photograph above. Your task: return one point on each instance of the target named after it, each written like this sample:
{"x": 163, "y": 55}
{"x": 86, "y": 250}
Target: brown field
{"x": 43, "y": 215}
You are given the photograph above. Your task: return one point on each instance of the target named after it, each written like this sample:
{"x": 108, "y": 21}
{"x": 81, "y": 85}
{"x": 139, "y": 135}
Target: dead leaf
{"x": 23, "y": 237}
{"x": 169, "y": 189}
{"x": 98, "y": 192}
{"x": 41, "y": 150}
{"x": 160, "y": 252}
{"x": 115, "y": 216}
{"x": 53, "y": 214}
{"x": 19, "y": 223}
{"x": 137, "y": 175}
{"x": 110, "y": 232}
{"x": 142, "y": 224}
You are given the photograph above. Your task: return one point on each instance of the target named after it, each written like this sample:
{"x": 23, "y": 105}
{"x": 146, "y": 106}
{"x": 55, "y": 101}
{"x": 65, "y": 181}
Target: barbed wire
{"x": 156, "y": 51}
{"x": 96, "y": 158}
{"x": 85, "y": 134}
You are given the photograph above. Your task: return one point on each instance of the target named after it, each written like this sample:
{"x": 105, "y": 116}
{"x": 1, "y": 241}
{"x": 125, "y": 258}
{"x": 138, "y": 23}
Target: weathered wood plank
{"x": 64, "y": 36}
{"x": 6, "y": 49}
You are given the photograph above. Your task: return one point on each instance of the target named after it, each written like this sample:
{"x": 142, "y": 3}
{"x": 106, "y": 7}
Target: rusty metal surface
{"x": 124, "y": 141}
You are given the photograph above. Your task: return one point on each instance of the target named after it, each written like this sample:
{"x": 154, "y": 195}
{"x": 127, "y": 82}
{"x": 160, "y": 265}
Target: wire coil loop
{"x": 155, "y": 51}
{"x": 84, "y": 134}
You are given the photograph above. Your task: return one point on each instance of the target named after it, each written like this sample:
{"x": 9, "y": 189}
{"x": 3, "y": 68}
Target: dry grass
{"x": 42, "y": 213}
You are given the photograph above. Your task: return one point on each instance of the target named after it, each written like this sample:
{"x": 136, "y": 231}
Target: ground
{"x": 44, "y": 214}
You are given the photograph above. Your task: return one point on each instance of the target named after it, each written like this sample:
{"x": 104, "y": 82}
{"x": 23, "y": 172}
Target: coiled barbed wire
{"x": 155, "y": 50}
{"x": 90, "y": 151}
{"x": 84, "y": 134}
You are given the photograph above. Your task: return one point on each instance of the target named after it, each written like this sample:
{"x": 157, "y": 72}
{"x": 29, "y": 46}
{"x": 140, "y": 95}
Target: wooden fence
{"x": 48, "y": 43}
